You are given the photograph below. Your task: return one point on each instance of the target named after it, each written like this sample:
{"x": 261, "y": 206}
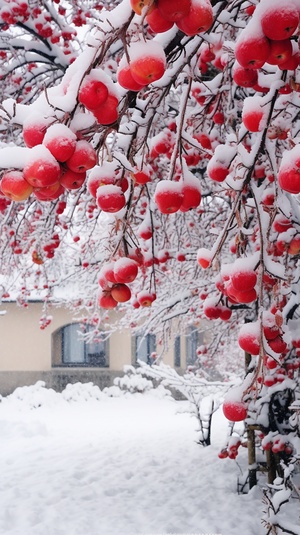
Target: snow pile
{"x": 134, "y": 383}
{"x": 33, "y": 396}
{"x": 79, "y": 392}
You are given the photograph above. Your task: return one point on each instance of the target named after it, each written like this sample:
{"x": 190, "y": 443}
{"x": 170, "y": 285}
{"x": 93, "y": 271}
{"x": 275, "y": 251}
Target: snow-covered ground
{"x": 130, "y": 465}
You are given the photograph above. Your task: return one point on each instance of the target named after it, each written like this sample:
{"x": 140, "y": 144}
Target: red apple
{"x": 157, "y": 22}
{"x": 61, "y": 141}
{"x": 142, "y": 176}
{"x": 14, "y": 186}
{"x": 125, "y": 77}
{"x": 34, "y": 129}
{"x": 168, "y": 196}
{"x": 280, "y": 52}
{"x": 243, "y": 279}
{"x": 277, "y": 344}
{"x": 93, "y": 92}
{"x": 244, "y": 77}
{"x": 289, "y": 179}
{"x": 249, "y": 338}
{"x": 105, "y": 300}
{"x": 199, "y": 18}
{"x": 204, "y": 257}
{"x": 211, "y": 310}
{"x": 290, "y": 65}
{"x": 280, "y": 21}
{"x": 121, "y": 293}
{"x": 147, "y": 62}
{"x": 41, "y": 169}
{"x": 235, "y": 411}
{"x": 110, "y": 198}
{"x": 71, "y": 180}
{"x": 145, "y": 298}
{"x": 252, "y": 51}
{"x": 106, "y": 275}
{"x": 239, "y": 296}
{"x": 83, "y": 158}
{"x": 108, "y": 112}
{"x": 253, "y": 114}
{"x": 49, "y": 193}
{"x": 174, "y": 11}
{"x": 225, "y": 313}
{"x": 191, "y": 194}
{"x": 217, "y": 171}
{"x": 125, "y": 270}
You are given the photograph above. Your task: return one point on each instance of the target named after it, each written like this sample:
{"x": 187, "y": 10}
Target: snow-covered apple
{"x": 249, "y": 338}
{"x": 125, "y": 270}
{"x": 234, "y": 410}
{"x": 41, "y": 168}
{"x": 199, "y": 18}
{"x": 60, "y": 141}
{"x": 147, "y": 62}
{"x": 252, "y": 51}
{"x": 83, "y": 158}
{"x": 168, "y": 196}
{"x": 110, "y": 198}
{"x": 93, "y": 91}
{"x": 279, "y": 21}
{"x": 34, "y": 129}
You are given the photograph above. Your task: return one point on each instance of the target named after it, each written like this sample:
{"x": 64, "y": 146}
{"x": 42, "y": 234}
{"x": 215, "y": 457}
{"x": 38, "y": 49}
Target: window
{"x": 177, "y": 352}
{"x": 71, "y": 349}
{"x": 193, "y": 340}
{"x": 143, "y": 347}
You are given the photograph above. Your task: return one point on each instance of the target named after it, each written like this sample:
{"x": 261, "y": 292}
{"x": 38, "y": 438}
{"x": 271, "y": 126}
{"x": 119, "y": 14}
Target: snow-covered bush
{"x": 81, "y": 392}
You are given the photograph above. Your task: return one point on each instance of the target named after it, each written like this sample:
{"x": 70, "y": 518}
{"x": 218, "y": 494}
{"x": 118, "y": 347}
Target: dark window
{"x": 193, "y": 340}
{"x": 177, "y": 352}
{"x": 144, "y": 346}
{"x": 72, "y": 349}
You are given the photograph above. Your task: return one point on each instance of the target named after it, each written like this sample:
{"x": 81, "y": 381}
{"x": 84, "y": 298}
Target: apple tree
{"x": 150, "y": 163}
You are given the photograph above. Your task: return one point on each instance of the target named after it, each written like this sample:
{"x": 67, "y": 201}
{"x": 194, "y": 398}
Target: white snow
{"x": 83, "y": 462}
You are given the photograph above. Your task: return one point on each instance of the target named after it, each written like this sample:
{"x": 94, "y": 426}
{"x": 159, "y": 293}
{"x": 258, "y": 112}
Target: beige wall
{"x": 25, "y": 347}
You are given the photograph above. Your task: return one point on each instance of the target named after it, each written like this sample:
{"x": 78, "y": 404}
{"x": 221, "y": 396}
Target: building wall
{"x": 26, "y": 351}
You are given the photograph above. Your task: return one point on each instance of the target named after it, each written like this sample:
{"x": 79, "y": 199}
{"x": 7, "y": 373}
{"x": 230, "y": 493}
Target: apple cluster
{"x": 114, "y": 278}
{"x": 56, "y": 161}
{"x": 190, "y": 16}
{"x": 144, "y": 63}
{"x": 107, "y": 184}
{"x": 231, "y": 449}
{"x": 267, "y": 39}
{"x": 171, "y": 196}
{"x": 99, "y": 96}
{"x": 276, "y": 443}
{"x": 238, "y": 283}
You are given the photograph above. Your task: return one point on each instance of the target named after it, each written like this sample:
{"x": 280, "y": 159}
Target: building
{"x": 60, "y": 355}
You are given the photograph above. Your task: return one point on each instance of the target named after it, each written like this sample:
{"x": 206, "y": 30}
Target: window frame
{"x": 58, "y": 341}
{"x": 150, "y": 339}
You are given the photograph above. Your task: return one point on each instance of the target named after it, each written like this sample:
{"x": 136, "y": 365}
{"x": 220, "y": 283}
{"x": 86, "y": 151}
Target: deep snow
{"x": 82, "y": 462}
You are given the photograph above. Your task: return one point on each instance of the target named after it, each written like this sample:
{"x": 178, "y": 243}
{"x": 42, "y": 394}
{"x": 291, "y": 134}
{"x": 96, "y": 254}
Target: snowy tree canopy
{"x": 150, "y": 164}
